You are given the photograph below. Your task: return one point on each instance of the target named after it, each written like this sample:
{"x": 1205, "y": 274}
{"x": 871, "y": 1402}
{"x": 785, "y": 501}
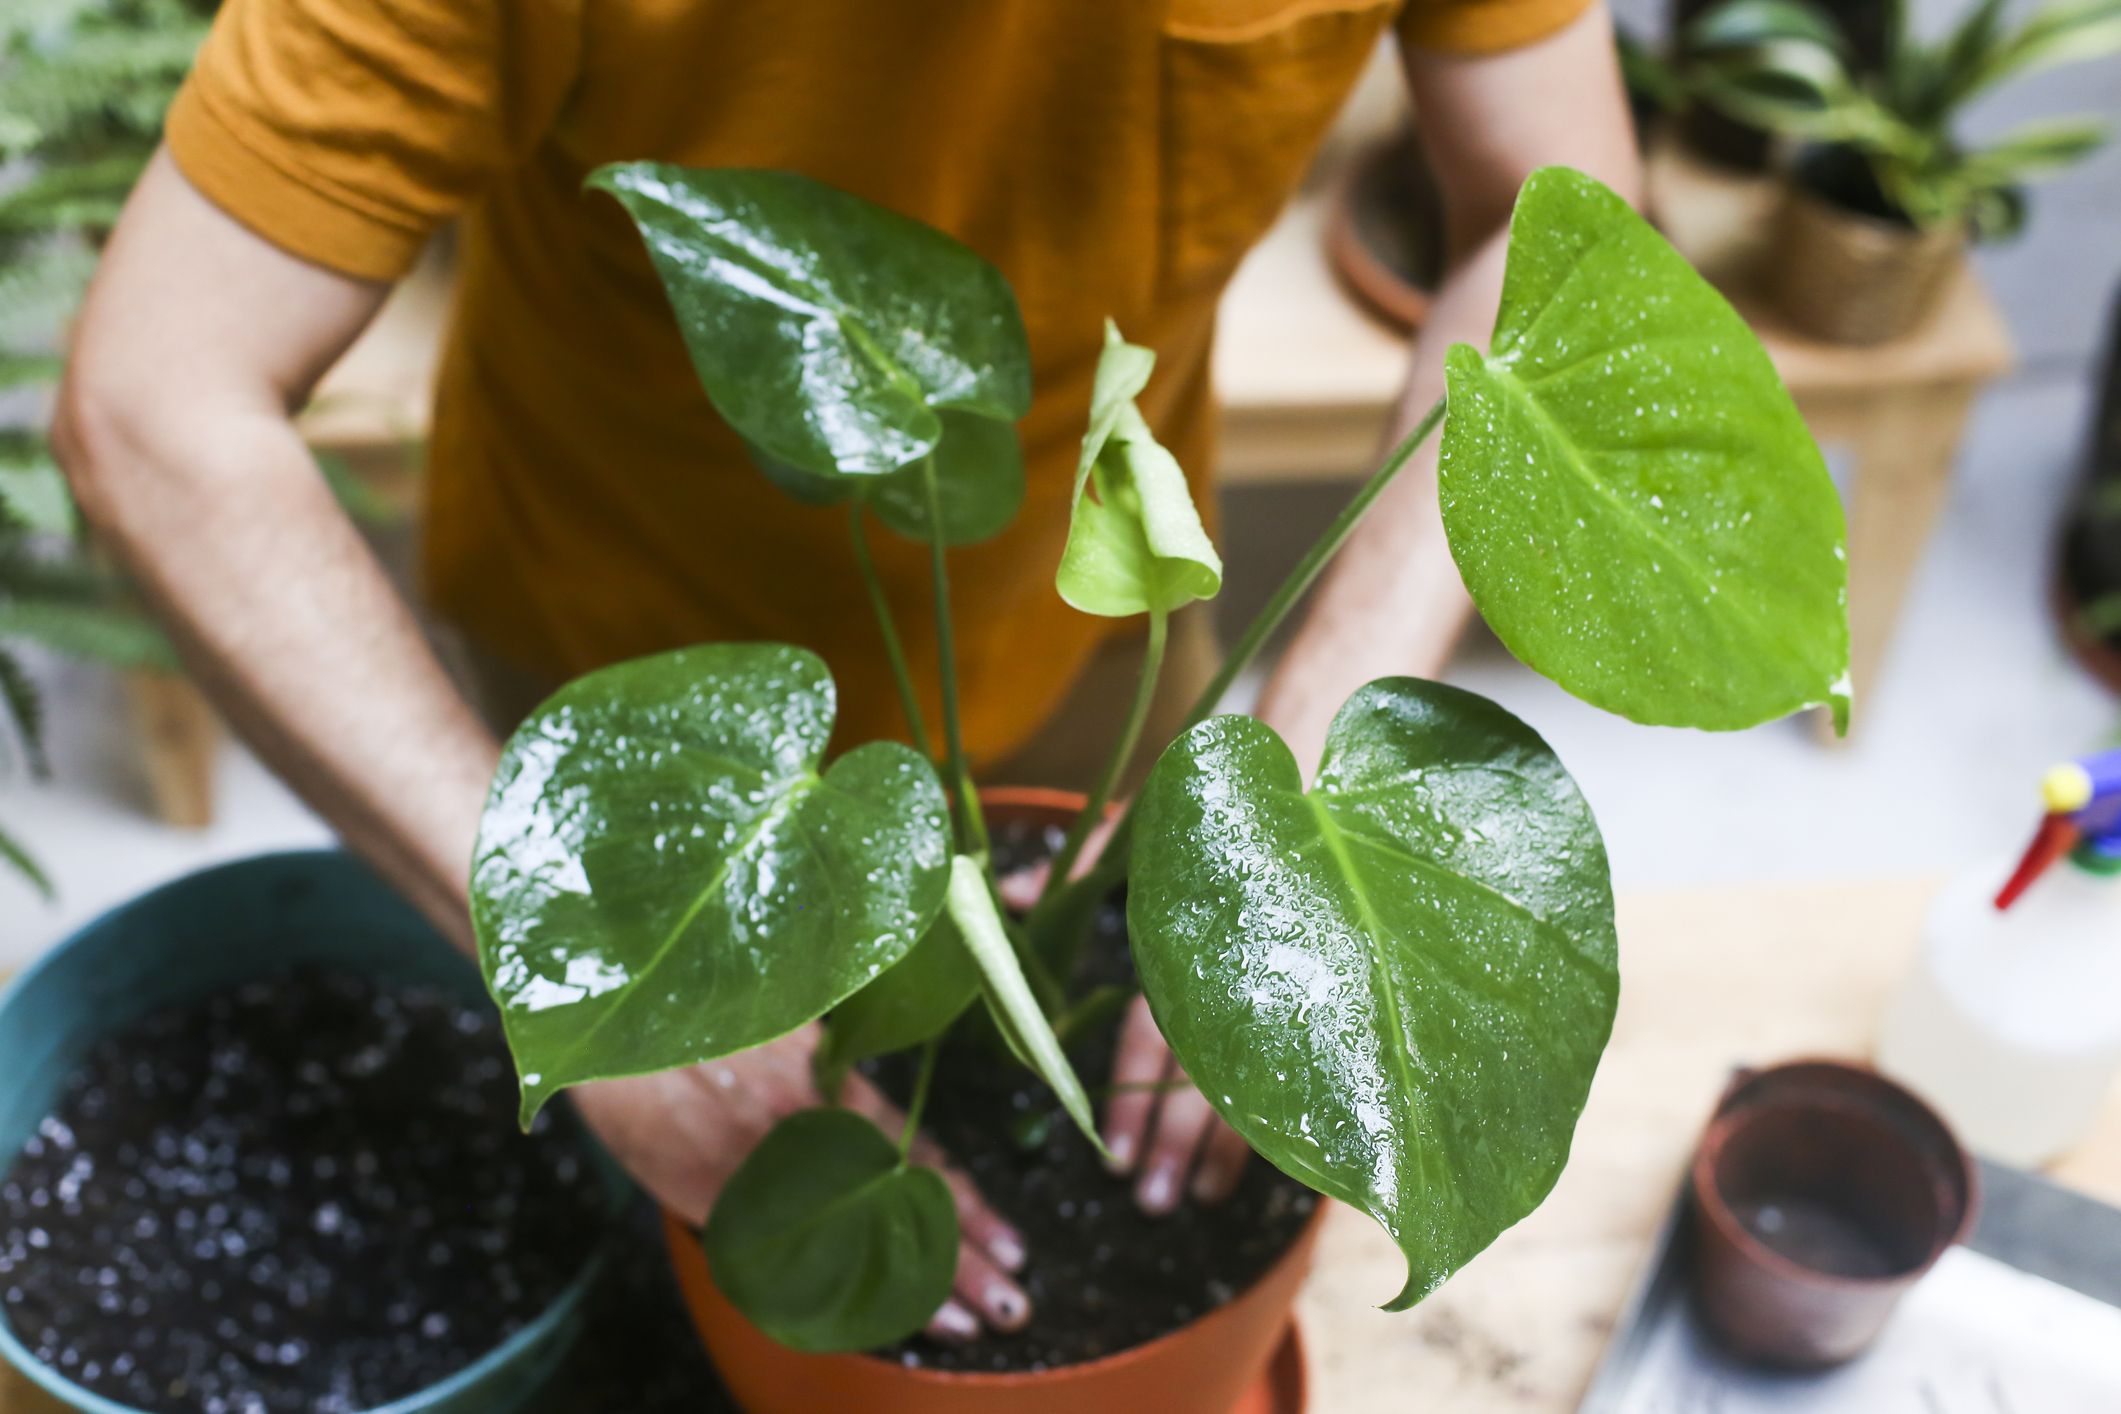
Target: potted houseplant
{"x": 1725, "y": 140}
{"x": 1887, "y": 196}
{"x": 1395, "y": 984}
{"x": 84, "y": 85}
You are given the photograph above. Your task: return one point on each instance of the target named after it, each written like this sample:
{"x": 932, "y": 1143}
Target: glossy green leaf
{"x": 830, "y": 1241}
{"x": 1135, "y": 542}
{"x": 1396, "y": 985}
{"x": 1016, "y": 1010}
{"x": 912, "y": 1002}
{"x": 827, "y": 330}
{"x": 663, "y": 874}
{"x": 1629, "y": 492}
{"x": 979, "y": 481}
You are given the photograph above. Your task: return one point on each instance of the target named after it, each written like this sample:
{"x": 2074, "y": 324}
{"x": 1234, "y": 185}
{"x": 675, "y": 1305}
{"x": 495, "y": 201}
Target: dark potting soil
{"x": 1102, "y": 1275}
{"x": 307, "y": 1193}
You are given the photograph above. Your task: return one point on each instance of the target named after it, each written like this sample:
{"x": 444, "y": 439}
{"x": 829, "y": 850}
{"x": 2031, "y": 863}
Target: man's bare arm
{"x": 198, "y": 344}
{"x": 1393, "y": 601}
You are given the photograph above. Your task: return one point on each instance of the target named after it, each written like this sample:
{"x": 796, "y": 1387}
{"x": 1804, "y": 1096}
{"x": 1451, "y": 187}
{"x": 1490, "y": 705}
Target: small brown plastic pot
{"x": 1865, "y": 1186}
{"x": 1240, "y": 1358}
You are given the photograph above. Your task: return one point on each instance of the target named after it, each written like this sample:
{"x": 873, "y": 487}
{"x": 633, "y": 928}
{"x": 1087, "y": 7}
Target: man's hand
{"x": 682, "y": 1133}
{"x": 1157, "y": 1124}
{"x": 1160, "y": 1127}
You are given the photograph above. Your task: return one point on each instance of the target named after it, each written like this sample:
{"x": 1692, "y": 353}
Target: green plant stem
{"x": 1112, "y": 860}
{"x": 908, "y": 700}
{"x": 1122, "y": 752}
{"x": 919, "y": 1102}
{"x": 971, "y": 822}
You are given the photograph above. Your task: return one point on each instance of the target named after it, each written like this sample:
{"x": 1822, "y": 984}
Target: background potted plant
{"x": 1888, "y": 195}
{"x": 1395, "y": 983}
{"x": 84, "y": 85}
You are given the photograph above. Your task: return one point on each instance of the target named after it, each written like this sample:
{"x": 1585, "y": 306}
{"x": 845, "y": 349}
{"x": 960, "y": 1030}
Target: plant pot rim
{"x": 685, "y": 1249}
{"x": 1710, "y": 1205}
{"x": 1905, "y": 232}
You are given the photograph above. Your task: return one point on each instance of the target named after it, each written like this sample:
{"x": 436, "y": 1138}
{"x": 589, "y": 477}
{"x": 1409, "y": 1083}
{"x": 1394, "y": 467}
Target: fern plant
{"x": 83, "y": 87}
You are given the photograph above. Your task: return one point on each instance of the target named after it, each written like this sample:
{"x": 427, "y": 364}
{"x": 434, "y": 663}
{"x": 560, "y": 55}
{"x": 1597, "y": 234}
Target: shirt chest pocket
{"x": 1249, "y": 88}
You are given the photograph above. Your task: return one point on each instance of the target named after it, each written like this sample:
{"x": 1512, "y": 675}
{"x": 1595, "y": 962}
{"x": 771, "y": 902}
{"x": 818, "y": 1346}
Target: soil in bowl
{"x": 1102, "y": 1275}
{"x": 306, "y": 1193}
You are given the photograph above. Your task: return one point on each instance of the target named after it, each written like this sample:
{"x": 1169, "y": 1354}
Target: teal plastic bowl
{"x": 217, "y": 929}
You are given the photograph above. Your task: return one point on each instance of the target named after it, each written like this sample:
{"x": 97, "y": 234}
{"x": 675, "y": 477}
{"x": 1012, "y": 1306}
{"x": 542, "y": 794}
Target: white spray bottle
{"x": 2010, "y": 1021}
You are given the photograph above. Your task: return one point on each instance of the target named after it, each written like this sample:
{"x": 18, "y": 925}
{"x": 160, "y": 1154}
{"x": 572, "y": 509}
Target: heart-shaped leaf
{"x": 1629, "y": 492}
{"x": 979, "y": 481}
{"x": 916, "y": 1000}
{"x": 829, "y": 1240}
{"x": 663, "y": 875}
{"x": 1395, "y": 986}
{"x": 1136, "y": 544}
{"x": 1009, "y": 996}
{"x": 825, "y": 328}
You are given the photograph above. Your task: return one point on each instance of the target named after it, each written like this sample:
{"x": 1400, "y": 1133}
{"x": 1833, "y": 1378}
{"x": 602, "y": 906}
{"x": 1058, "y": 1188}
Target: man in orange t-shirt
{"x": 585, "y": 504}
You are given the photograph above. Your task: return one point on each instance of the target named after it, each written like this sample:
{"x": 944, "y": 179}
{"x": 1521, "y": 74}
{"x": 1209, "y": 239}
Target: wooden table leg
{"x": 1904, "y": 442}
{"x": 180, "y": 738}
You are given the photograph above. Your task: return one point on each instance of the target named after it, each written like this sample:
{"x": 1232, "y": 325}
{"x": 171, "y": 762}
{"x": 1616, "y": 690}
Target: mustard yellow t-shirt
{"x": 1112, "y": 157}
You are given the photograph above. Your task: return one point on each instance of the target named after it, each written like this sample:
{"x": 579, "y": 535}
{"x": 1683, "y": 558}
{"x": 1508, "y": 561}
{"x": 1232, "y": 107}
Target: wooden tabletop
{"x": 1709, "y": 979}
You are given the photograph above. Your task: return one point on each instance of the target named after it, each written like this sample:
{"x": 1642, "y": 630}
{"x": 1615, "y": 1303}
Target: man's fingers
{"x": 1181, "y": 1123}
{"x": 1223, "y": 1155}
{"x": 981, "y": 1286}
{"x": 1021, "y": 888}
{"x": 952, "y": 1324}
{"x": 1137, "y": 1069}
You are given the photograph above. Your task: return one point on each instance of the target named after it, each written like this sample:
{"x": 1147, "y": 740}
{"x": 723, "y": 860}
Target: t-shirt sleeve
{"x": 346, "y": 131}
{"x": 1483, "y": 26}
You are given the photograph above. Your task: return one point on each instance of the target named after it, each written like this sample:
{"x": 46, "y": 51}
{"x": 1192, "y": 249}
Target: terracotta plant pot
{"x": 1384, "y": 232}
{"x": 1820, "y": 1194}
{"x": 1849, "y": 278}
{"x": 1215, "y": 1365}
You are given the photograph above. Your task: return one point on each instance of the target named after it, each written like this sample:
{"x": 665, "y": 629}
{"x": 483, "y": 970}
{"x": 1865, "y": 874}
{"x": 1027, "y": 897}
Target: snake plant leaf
{"x": 979, "y": 482}
{"x": 1136, "y": 545}
{"x": 829, "y": 1240}
{"x": 1396, "y": 985}
{"x": 827, "y": 330}
{"x": 1016, "y": 1010}
{"x": 664, "y": 875}
{"x": 929, "y": 988}
{"x": 1636, "y": 507}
